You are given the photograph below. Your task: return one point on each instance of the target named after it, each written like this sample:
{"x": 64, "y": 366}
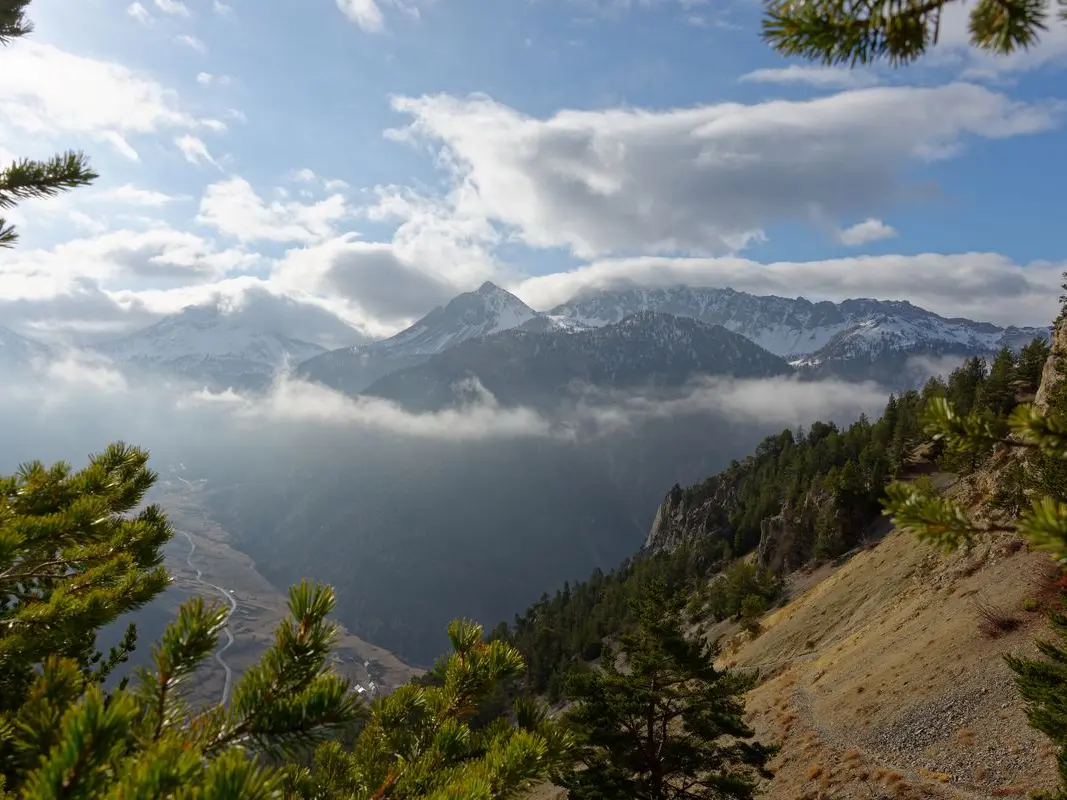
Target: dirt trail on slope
{"x": 879, "y": 682}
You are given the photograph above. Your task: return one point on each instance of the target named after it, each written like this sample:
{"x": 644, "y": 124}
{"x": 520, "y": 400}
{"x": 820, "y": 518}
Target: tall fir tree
{"x": 657, "y": 720}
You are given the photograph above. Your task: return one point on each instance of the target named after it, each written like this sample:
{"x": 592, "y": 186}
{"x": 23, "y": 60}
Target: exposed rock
{"x": 777, "y": 545}
{"x": 1053, "y": 373}
{"x": 701, "y": 510}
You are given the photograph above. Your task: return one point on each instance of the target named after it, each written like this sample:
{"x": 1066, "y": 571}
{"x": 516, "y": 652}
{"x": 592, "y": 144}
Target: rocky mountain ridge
{"x": 796, "y": 328}
{"x": 645, "y": 351}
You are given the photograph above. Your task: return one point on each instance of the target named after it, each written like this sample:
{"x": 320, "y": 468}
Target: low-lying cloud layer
{"x": 78, "y": 403}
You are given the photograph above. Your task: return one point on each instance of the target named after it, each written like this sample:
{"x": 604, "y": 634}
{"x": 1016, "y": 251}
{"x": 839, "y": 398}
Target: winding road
{"x": 229, "y": 634}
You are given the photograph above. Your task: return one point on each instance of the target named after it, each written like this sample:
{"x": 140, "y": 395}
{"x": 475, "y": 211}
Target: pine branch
{"x": 13, "y": 22}
{"x": 27, "y": 178}
{"x": 855, "y": 32}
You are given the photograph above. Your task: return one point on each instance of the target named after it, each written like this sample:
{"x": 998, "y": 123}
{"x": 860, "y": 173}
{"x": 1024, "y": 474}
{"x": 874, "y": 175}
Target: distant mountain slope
{"x": 470, "y": 315}
{"x": 794, "y": 328}
{"x": 19, "y": 353}
{"x": 226, "y": 347}
{"x": 644, "y": 351}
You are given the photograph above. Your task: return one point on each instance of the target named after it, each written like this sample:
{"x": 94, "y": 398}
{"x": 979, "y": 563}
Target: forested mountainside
{"x": 803, "y": 495}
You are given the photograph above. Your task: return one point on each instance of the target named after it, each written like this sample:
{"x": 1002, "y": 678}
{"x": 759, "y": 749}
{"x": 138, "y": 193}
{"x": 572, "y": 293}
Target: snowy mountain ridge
{"x": 226, "y": 347}
{"x": 798, "y": 328}
{"x": 468, "y": 316}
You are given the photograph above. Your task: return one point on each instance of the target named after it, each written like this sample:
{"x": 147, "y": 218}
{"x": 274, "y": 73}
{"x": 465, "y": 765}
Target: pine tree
{"x": 998, "y": 391}
{"x": 26, "y": 178}
{"x": 849, "y": 32}
{"x": 72, "y": 560}
{"x": 657, "y": 720}
{"x": 1032, "y": 360}
{"x": 418, "y": 741}
{"x": 75, "y": 556}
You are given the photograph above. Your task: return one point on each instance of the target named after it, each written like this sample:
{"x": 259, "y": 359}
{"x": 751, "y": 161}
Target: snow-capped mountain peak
{"x": 471, "y": 315}
{"x": 224, "y": 344}
{"x": 798, "y": 328}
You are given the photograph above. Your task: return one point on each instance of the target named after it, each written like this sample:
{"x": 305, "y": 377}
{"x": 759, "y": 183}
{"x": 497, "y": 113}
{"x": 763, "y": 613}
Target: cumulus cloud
{"x": 822, "y": 77}
{"x": 234, "y": 208}
{"x": 696, "y": 179}
{"x": 71, "y": 289}
{"x": 870, "y": 230}
{"x": 981, "y": 286}
{"x": 388, "y": 290}
{"x": 46, "y": 91}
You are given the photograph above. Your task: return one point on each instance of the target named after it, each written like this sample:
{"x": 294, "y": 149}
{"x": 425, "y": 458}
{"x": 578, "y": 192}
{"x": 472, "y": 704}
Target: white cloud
{"x": 701, "y": 179}
{"x": 45, "y": 91}
{"x": 870, "y": 230}
{"x": 207, "y": 79}
{"x": 216, "y": 125}
{"x": 364, "y": 13}
{"x": 783, "y": 401}
{"x": 222, "y": 9}
{"x": 305, "y": 175}
{"x": 194, "y": 150}
{"x": 980, "y": 286}
{"x": 388, "y": 290}
{"x": 139, "y": 13}
{"x": 191, "y": 42}
{"x": 130, "y": 194}
{"x": 368, "y": 14}
{"x": 73, "y": 287}
{"x": 825, "y": 77}
{"x": 233, "y": 207}
{"x": 172, "y": 7}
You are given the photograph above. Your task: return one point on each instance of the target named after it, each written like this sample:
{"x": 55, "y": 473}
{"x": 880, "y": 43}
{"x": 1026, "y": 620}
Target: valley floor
{"x": 882, "y": 684}
{"x": 260, "y": 606}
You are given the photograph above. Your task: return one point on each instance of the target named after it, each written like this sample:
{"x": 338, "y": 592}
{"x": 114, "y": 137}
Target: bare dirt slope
{"x": 260, "y": 605}
{"x": 880, "y": 681}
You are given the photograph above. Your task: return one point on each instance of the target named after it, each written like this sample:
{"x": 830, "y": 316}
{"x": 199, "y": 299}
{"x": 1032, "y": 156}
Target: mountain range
{"x": 221, "y": 345}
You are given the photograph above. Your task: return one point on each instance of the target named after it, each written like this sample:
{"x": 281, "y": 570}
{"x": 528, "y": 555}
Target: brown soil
{"x": 881, "y": 681}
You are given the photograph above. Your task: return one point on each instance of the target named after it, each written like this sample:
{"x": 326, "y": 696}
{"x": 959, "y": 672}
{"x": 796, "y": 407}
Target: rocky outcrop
{"x": 1053, "y": 374}
{"x": 697, "y": 511}
{"x": 777, "y": 547}
{"x": 787, "y": 539}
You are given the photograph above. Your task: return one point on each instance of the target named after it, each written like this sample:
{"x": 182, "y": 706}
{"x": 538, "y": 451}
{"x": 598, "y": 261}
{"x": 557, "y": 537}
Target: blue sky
{"x": 374, "y": 157}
